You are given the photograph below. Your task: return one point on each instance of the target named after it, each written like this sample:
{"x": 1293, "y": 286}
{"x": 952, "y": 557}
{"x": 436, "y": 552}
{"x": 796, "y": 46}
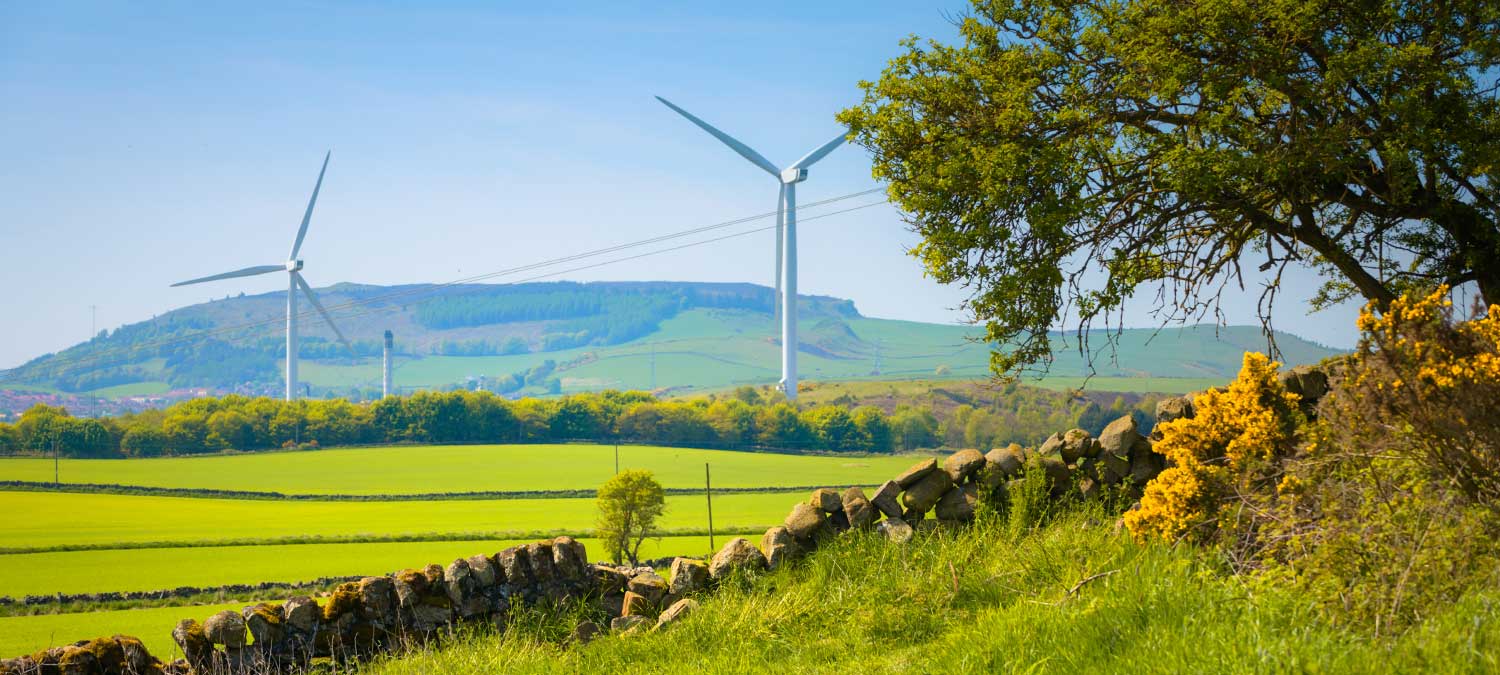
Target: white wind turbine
{"x": 293, "y": 268}
{"x": 786, "y": 236}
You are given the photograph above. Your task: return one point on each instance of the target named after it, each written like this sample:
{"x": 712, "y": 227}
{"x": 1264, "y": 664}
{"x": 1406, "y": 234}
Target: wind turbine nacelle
{"x": 294, "y": 265}
{"x": 793, "y": 175}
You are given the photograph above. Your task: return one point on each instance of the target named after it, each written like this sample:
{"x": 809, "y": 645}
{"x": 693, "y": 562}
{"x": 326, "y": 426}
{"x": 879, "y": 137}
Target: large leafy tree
{"x": 1071, "y": 154}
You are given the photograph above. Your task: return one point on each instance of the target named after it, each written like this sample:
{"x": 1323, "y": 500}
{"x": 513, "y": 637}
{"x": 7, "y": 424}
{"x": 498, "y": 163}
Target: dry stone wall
{"x": 376, "y": 614}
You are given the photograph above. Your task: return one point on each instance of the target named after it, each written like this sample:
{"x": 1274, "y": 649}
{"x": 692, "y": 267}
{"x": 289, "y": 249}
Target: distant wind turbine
{"x": 293, "y": 268}
{"x": 786, "y": 236}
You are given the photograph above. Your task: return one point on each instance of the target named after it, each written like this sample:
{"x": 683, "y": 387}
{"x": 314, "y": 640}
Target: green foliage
{"x": 1067, "y": 156}
{"x": 913, "y": 428}
{"x": 1027, "y": 501}
{"x": 629, "y": 505}
{"x": 1393, "y": 510}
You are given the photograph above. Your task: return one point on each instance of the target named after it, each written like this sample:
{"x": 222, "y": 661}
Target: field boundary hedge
{"x": 299, "y": 540}
{"x": 254, "y": 495}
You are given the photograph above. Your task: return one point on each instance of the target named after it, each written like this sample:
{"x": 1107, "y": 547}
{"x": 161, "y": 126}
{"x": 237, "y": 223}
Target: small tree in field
{"x": 629, "y": 505}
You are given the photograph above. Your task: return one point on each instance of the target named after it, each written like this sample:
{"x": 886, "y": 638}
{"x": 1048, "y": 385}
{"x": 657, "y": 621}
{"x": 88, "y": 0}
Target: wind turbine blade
{"x": 744, "y": 150}
{"x": 812, "y": 157}
{"x": 313, "y": 298}
{"x": 247, "y": 272}
{"x": 307, "y": 217}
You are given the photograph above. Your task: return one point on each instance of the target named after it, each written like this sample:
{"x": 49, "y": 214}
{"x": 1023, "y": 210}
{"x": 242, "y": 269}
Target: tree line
{"x": 743, "y": 419}
{"x": 244, "y": 423}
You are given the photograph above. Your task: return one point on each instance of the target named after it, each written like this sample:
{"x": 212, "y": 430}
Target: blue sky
{"x": 143, "y": 145}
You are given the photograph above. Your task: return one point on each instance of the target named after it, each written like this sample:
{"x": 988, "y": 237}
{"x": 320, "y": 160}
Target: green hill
{"x": 545, "y": 337}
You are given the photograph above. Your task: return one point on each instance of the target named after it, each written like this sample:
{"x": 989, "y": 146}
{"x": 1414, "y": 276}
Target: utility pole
{"x": 93, "y": 333}
{"x": 617, "y": 459}
{"x": 708, "y": 492}
{"x": 55, "y": 479}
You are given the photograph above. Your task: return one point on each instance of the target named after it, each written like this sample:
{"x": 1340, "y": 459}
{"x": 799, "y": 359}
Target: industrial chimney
{"x": 385, "y": 380}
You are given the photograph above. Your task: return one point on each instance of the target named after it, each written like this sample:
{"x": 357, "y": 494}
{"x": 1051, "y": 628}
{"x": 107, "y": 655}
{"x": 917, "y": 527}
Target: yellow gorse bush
{"x": 1436, "y": 363}
{"x": 1225, "y": 449}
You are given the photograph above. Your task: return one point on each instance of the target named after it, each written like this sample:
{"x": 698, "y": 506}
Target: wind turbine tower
{"x": 786, "y": 235}
{"x": 293, "y": 268}
{"x": 385, "y": 379}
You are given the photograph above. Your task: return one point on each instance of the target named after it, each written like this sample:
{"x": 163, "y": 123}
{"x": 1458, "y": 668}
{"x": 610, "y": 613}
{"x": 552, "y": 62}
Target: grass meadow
{"x": 460, "y": 468}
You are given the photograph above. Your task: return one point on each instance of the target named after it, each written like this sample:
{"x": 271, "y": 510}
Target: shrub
{"x": 1391, "y": 513}
{"x": 1230, "y": 451}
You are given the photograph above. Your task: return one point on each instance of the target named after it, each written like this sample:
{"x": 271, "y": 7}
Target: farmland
{"x": 467, "y": 468}
{"x": 59, "y": 519}
{"x": 83, "y": 542}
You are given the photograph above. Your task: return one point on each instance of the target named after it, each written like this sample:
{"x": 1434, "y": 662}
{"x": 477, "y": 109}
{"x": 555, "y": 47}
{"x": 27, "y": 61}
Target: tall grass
{"x": 1069, "y": 596}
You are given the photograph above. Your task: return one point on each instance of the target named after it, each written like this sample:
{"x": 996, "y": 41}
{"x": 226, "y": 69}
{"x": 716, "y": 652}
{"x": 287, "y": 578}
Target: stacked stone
{"x": 637, "y": 598}
{"x": 376, "y": 613}
{"x": 949, "y": 491}
{"x": 112, "y": 655}
{"x": 1309, "y": 383}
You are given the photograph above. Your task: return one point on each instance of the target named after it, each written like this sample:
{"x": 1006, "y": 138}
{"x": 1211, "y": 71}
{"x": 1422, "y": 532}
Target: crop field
{"x": 460, "y": 468}
{"x": 157, "y": 568}
{"x": 87, "y": 542}
{"x": 60, "y": 519}
{"x": 153, "y": 625}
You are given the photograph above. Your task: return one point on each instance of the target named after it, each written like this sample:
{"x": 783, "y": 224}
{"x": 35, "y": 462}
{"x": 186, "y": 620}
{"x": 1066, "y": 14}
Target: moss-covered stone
{"x": 194, "y": 644}
{"x": 78, "y": 659}
{"x": 411, "y": 586}
{"x": 343, "y": 600}
{"x": 265, "y": 623}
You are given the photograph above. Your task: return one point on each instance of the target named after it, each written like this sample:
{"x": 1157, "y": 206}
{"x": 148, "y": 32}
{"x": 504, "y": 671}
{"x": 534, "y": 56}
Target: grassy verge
{"x": 1075, "y": 596}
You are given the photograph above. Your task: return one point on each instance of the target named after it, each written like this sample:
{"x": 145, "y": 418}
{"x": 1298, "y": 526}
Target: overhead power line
{"x": 119, "y": 354}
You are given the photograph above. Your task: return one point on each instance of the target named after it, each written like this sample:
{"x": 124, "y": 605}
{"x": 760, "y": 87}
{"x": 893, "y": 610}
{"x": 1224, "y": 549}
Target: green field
{"x": 27, "y": 634}
{"x": 455, "y": 468}
{"x": 157, "y": 568}
{"x": 43, "y": 519}
{"x": 133, "y": 389}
